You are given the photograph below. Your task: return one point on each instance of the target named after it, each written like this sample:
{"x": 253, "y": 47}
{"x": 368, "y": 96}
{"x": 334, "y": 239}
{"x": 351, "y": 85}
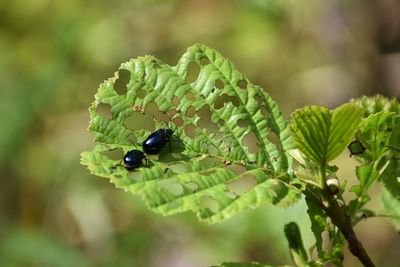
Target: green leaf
{"x": 320, "y": 134}
{"x": 375, "y": 104}
{"x": 296, "y": 247}
{"x": 379, "y": 133}
{"x": 205, "y": 168}
{"x": 392, "y": 204}
{"x": 318, "y": 223}
{"x": 367, "y": 174}
{"x": 391, "y": 178}
{"x": 374, "y": 133}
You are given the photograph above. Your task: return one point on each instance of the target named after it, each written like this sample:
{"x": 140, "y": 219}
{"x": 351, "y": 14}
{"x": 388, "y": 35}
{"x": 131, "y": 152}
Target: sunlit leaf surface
{"x": 322, "y": 134}
{"x": 229, "y": 149}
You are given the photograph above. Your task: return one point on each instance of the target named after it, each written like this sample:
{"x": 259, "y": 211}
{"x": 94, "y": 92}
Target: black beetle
{"x": 133, "y": 159}
{"x": 156, "y": 141}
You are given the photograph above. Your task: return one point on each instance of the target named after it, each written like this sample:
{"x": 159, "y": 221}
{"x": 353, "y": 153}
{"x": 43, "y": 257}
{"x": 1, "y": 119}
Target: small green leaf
{"x": 318, "y": 223}
{"x": 391, "y": 179}
{"x": 296, "y": 247}
{"x": 320, "y": 134}
{"x": 379, "y": 133}
{"x": 246, "y": 144}
{"x": 375, "y": 132}
{"x": 367, "y": 174}
{"x": 391, "y": 176}
{"x": 392, "y": 204}
{"x": 375, "y": 104}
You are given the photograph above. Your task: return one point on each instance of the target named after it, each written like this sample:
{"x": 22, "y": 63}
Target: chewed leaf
{"x": 229, "y": 146}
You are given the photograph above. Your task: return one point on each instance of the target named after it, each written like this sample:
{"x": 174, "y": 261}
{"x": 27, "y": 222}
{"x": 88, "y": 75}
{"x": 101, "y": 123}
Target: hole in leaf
{"x": 238, "y": 169}
{"x": 157, "y": 66}
{"x": 120, "y": 85}
{"x": 141, "y": 93}
{"x": 190, "y": 96}
{"x": 273, "y": 138}
{"x": 242, "y": 123}
{"x": 204, "y": 61}
{"x": 137, "y": 121}
{"x": 178, "y": 168}
{"x": 209, "y": 203}
{"x": 171, "y": 186}
{"x": 153, "y": 109}
{"x": 172, "y": 112}
{"x": 205, "y": 120}
{"x": 251, "y": 142}
{"x": 219, "y": 84}
{"x": 190, "y": 111}
{"x": 192, "y": 186}
{"x": 242, "y": 184}
{"x": 162, "y": 116}
{"x": 190, "y": 130}
{"x": 210, "y": 162}
{"x": 175, "y": 101}
{"x": 242, "y": 84}
{"x": 114, "y": 154}
{"x": 224, "y": 98}
{"x": 178, "y": 121}
{"x": 264, "y": 112}
{"x": 104, "y": 110}
{"x": 193, "y": 72}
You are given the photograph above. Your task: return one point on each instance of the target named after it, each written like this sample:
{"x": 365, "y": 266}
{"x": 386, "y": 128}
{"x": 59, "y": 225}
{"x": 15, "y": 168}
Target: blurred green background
{"x": 53, "y": 56}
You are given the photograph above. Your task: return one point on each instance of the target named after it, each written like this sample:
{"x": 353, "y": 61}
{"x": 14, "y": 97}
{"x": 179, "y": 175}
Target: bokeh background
{"x": 53, "y": 56}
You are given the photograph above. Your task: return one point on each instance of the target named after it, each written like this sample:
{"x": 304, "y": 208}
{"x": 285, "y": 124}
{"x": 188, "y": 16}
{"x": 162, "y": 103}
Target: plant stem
{"x": 342, "y": 220}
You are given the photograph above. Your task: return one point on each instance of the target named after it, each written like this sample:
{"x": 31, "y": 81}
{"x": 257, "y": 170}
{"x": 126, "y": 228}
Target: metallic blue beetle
{"x": 133, "y": 159}
{"x": 156, "y": 141}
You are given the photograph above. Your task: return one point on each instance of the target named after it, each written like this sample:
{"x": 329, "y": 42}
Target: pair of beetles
{"x": 153, "y": 145}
